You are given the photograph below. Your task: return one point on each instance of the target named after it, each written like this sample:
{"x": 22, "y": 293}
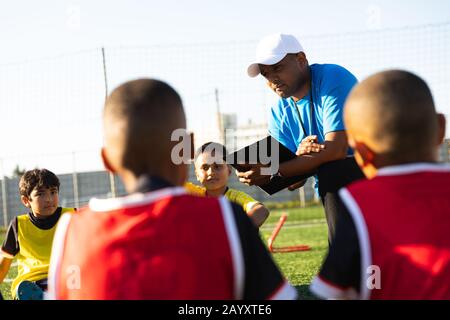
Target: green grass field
{"x": 303, "y": 226}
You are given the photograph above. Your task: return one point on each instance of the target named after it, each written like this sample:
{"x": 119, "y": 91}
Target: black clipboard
{"x": 266, "y": 148}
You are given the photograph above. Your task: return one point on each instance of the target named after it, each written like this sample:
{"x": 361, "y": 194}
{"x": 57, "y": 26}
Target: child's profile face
{"x": 42, "y": 201}
{"x": 212, "y": 175}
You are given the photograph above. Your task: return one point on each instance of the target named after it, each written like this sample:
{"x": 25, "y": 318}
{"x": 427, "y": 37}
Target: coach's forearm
{"x": 307, "y": 163}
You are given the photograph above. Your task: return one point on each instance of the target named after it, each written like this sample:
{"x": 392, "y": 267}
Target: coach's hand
{"x": 308, "y": 145}
{"x": 252, "y": 175}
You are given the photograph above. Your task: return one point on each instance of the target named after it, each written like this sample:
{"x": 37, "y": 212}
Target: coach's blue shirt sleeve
{"x": 335, "y": 88}
{"x": 278, "y": 127}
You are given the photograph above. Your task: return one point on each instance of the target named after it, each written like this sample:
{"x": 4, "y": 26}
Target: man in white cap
{"x": 307, "y": 119}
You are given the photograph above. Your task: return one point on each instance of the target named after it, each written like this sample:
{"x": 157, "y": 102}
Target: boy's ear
{"x": 366, "y": 154}
{"x": 106, "y": 161}
{"x": 192, "y": 155}
{"x": 25, "y": 201}
{"x": 229, "y": 169}
{"x": 441, "y": 127}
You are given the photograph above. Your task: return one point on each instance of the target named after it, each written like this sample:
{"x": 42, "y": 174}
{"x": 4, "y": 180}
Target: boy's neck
{"x": 371, "y": 170}
{"x": 40, "y": 216}
{"x": 37, "y": 215}
{"x": 217, "y": 192}
{"x": 131, "y": 181}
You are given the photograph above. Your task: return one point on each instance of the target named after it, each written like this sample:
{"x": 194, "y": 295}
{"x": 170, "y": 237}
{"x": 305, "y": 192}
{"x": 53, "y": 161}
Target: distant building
{"x": 234, "y": 136}
{"x": 244, "y": 135}
{"x": 226, "y": 121}
{"x": 229, "y": 121}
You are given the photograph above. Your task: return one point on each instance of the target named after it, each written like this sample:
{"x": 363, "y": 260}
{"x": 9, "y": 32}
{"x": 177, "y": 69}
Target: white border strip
{"x": 413, "y": 168}
{"x": 101, "y": 205}
{"x": 363, "y": 236}
{"x": 285, "y": 292}
{"x": 56, "y": 255}
{"x": 235, "y": 246}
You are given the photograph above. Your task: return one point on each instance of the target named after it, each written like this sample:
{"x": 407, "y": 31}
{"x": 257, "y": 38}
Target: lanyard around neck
{"x": 311, "y": 109}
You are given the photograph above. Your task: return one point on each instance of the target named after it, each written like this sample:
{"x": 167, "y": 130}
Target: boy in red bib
{"x": 393, "y": 243}
{"x": 158, "y": 242}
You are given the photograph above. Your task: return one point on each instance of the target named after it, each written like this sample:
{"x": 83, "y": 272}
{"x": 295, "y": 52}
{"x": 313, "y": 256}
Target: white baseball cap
{"x": 272, "y": 49}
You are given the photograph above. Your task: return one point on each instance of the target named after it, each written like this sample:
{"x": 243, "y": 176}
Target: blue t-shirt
{"x": 331, "y": 85}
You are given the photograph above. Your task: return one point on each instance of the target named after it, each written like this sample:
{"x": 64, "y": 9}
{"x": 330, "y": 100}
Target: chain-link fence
{"x": 51, "y": 108}
{"x": 77, "y": 188}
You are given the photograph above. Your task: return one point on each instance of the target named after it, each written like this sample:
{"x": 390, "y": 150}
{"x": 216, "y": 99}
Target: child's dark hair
{"x": 213, "y": 148}
{"x": 37, "y": 178}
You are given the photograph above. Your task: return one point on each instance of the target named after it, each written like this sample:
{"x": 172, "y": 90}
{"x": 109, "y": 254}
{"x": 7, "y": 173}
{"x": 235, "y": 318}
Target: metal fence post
{"x": 112, "y": 183}
{"x": 4, "y": 197}
{"x": 302, "y": 194}
{"x": 75, "y": 183}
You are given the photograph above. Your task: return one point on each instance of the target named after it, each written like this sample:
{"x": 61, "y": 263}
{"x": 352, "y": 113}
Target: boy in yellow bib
{"x": 213, "y": 173}
{"x": 30, "y": 236}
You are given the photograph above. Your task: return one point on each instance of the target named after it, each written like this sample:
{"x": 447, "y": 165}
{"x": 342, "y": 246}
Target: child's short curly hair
{"x": 37, "y": 178}
{"x": 212, "y": 147}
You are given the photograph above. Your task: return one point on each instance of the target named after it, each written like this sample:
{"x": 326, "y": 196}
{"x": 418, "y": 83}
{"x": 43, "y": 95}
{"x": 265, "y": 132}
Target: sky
{"x": 51, "y": 71}
{"x": 31, "y": 29}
